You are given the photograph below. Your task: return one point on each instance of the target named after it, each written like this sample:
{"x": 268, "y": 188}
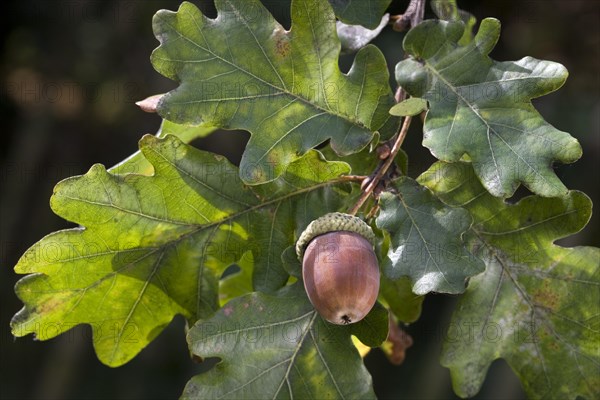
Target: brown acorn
{"x": 339, "y": 267}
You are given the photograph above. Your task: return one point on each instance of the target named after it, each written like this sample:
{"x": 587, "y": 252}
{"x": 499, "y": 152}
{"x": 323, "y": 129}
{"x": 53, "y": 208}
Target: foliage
{"x": 294, "y": 352}
{"x": 481, "y": 108}
{"x": 285, "y": 88}
{"x": 174, "y": 230}
{"x": 536, "y": 300}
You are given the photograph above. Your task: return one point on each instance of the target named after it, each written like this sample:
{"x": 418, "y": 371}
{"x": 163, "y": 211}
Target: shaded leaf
{"x": 536, "y": 305}
{"x": 245, "y": 71}
{"x": 409, "y": 107}
{"x": 402, "y": 302}
{"x": 425, "y": 240}
{"x": 355, "y": 37}
{"x": 365, "y": 161}
{"x": 448, "y": 10}
{"x": 445, "y": 9}
{"x": 277, "y": 346}
{"x": 373, "y": 329}
{"x": 397, "y": 295}
{"x": 290, "y": 262}
{"x": 482, "y": 108}
{"x": 121, "y": 272}
{"x": 360, "y": 12}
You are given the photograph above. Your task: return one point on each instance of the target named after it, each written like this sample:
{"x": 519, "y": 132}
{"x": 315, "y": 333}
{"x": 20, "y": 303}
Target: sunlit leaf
{"x": 151, "y": 247}
{"x": 138, "y": 164}
{"x": 245, "y": 71}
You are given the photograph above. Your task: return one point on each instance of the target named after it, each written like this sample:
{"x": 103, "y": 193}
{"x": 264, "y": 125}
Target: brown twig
{"x": 372, "y": 212}
{"x": 353, "y": 178}
{"x": 414, "y": 15}
{"x": 383, "y": 167}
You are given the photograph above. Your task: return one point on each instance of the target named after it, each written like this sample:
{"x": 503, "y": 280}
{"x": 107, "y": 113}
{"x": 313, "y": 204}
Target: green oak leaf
{"x": 238, "y": 283}
{"x": 426, "y": 240}
{"x": 400, "y": 299}
{"x": 121, "y": 271}
{"x": 482, "y": 108}
{"x": 445, "y": 9}
{"x": 245, "y": 71}
{"x": 397, "y": 295}
{"x": 448, "y": 10}
{"x": 366, "y": 161}
{"x": 360, "y": 12}
{"x": 137, "y": 163}
{"x": 290, "y": 262}
{"x": 409, "y": 107}
{"x": 536, "y": 305}
{"x": 277, "y": 346}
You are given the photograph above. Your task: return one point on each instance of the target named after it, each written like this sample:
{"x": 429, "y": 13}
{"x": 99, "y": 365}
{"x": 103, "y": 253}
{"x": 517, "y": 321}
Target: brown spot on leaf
{"x": 282, "y": 43}
{"x": 553, "y": 345}
{"x": 547, "y": 297}
{"x": 49, "y": 306}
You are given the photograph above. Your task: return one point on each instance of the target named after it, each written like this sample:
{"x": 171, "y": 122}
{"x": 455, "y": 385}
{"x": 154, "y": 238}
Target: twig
{"x": 353, "y": 178}
{"x": 372, "y": 213}
{"x": 414, "y": 14}
{"x": 382, "y": 168}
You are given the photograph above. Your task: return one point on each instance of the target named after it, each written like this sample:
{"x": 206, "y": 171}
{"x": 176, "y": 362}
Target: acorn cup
{"x": 339, "y": 267}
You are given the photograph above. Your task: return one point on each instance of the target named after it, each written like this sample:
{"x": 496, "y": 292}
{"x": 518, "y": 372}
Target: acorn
{"x": 339, "y": 267}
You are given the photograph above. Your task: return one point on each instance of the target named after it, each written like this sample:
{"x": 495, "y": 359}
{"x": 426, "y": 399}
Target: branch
{"x": 353, "y": 178}
{"x": 382, "y": 168}
{"x": 412, "y": 16}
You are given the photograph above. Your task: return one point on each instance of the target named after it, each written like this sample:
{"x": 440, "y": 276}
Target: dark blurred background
{"x": 70, "y": 73}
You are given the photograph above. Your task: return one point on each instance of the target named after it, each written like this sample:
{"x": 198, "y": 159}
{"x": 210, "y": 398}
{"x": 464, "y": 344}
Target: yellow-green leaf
{"x": 151, "y": 247}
